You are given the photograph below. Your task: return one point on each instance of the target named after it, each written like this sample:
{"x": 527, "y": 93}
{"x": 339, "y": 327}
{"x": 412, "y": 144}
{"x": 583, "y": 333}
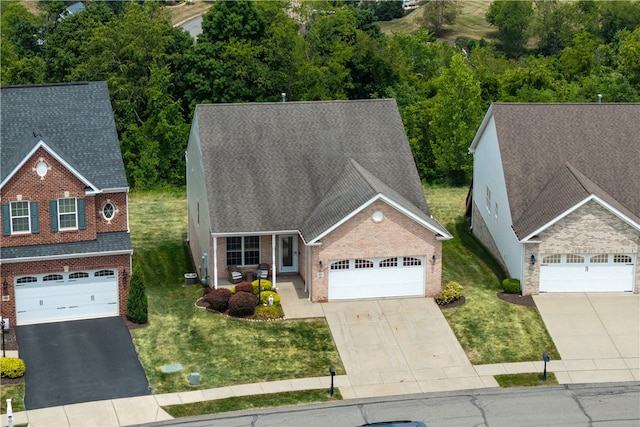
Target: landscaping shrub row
{"x": 242, "y": 300}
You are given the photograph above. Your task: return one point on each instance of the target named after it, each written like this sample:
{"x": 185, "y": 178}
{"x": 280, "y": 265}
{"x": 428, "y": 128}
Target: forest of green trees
{"x": 544, "y": 51}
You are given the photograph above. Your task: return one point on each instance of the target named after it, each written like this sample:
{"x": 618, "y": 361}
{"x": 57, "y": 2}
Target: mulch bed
{"x": 525, "y": 300}
{"x": 457, "y": 303}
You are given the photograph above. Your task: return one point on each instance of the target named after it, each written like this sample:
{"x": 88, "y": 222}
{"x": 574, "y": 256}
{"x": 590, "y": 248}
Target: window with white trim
{"x": 363, "y": 263}
{"x": 243, "y": 250}
{"x": 622, "y": 259}
{"x": 52, "y": 277}
{"x": 552, "y": 259}
{"x": 20, "y": 217}
{"x": 104, "y": 273}
{"x": 67, "y": 213}
{"x": 79, "y": 275}
{"x": 389, "y": 262}
{"x": 340, "y": 265}
{"x": 108, "y": 211}
{"x": 574, "y": 259}
{"x": 599, "y": 259}
{"x": 411, "y": 261}
{"x": 26, "y": 279}
{"x": 488, "y": 200}
{"x": 496, "y": 211}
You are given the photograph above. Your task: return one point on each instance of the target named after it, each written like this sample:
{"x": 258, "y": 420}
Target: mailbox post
{"x": 333, "y": 374}
{"x": 545, "y": 357}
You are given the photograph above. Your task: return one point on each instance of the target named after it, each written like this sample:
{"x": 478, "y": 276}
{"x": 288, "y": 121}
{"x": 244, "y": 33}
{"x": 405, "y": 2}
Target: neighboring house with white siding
{"x": 556, "y": 194}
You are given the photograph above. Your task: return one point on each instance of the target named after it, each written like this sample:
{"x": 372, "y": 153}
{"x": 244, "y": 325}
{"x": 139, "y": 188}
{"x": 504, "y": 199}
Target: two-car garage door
{"x": 66, "y": 296}
{"x": 587, "y": 273}
{"x": 376, "y": 278}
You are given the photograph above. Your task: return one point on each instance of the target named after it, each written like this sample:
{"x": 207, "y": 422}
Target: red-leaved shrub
{"x": 242, "y": 304}
{"x": 218, "y": 299}
{"x": 244, "y": 287}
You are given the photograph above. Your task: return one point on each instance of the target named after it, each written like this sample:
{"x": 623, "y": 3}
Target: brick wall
{"x": 361, "y": 237}
{"x": 9, "y": 271}
{"x": 59, "y": 182}
{"x": 591, "y": 229}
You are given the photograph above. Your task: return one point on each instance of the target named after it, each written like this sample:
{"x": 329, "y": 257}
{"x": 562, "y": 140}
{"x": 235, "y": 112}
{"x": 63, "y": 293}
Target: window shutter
{"x": 6, "y": 220}
{"x": 35, "y": 220}
{"x": 82, "y": 215}
{"x": 53, "y": 214}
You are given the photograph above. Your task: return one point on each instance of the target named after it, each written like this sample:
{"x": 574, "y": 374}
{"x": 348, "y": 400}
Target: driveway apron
{"x": 401, "y": 345}
{"x": 79, "y": 361}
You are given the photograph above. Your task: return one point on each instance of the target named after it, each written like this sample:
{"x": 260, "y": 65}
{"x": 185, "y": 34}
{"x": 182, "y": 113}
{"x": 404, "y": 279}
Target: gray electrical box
{"x": 194, "y": 378}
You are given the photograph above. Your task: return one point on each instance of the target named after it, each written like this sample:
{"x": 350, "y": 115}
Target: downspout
{"x": 215, "y": 262}
{"x": 273, "y": 260}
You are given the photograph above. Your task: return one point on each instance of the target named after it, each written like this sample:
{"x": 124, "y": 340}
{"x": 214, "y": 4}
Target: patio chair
{"x": 263, "y": 271}
{"x": 235, "y": 274}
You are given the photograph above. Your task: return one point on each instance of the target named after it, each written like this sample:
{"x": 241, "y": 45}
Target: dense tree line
{"x": 547, "y": 51}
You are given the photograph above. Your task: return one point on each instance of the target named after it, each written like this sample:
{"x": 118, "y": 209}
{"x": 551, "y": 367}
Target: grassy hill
{"x": 470, "y": 22}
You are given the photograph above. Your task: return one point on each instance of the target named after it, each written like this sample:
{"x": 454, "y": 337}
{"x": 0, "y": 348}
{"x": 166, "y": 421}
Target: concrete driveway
{"x": 79, "y": 361}
{"x": 398, "y": 346}
{"x": 595, "y": 331}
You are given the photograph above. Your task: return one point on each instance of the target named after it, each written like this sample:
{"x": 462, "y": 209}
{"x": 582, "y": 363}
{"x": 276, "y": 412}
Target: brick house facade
{"x": 65, "y": 245}
{"x": 327, "y": 191}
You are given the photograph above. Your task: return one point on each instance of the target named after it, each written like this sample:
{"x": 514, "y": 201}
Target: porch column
{"x": 273, "y": 259}
{"x": 215, "y": 262}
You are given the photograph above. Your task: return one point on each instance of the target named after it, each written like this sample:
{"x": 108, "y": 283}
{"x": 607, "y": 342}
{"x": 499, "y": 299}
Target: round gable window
{"x": 42, "y": 168}
{"x": 108, "y": 211}
{"x": 377, "y": 216}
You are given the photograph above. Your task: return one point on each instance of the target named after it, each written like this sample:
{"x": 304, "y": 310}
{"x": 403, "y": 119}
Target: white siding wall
{"x": 197, "y": 199}
{"x": 488, "y": 172}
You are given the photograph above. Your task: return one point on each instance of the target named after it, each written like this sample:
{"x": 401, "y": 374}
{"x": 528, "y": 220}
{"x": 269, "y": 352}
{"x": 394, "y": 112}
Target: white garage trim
{"x": 55, "y": 297}
{"x": 587, "y": 273}
{"x": 376, "y": 278}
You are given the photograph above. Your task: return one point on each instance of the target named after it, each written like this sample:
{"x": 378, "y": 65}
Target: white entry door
{"x": 288, "y": 254}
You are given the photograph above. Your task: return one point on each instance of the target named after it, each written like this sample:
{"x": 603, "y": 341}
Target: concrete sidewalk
{"x": 409, "y": 363}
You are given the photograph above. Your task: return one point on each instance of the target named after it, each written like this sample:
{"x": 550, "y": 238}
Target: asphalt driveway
{"x": 79, "y": 361}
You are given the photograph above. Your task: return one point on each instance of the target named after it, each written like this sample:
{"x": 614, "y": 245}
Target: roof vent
{"x": 599, "y": 98}
{"x": 284, "y": 96}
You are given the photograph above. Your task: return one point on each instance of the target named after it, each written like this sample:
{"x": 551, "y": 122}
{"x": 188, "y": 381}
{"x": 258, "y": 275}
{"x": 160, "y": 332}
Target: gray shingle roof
{"x": 556, "y": 155}
{"x": 303, "y": 165}
{"x": 74, "y": 119}
{"x": 102, "y": 245}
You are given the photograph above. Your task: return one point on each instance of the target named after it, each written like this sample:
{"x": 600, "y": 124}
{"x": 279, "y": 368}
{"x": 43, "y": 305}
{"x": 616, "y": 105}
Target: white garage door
{"x": 66, "y": 296}
{"x": 376, "y": 278}
{"x": 587, "y": 273}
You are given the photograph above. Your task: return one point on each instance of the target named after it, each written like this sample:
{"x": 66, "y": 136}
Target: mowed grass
{"x": 489, "y": 329}
{"x": 15, "y": 392}
{"x": 530, "y": 379}
{"x": 252, "y": 402}
{"x": 470, "y": 22}
{"x": 223, "y": 350}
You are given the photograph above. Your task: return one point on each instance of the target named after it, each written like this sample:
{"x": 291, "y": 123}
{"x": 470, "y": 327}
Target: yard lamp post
{"x": 332, "y": 372}
{"x": 259, "y": 284}
{"x": 545, "y": 357}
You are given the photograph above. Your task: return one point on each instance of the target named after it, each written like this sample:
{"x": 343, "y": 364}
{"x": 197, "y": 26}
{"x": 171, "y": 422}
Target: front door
{"x": 289, "y": 253}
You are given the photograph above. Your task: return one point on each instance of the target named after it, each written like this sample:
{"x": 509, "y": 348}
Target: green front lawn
{"x": 223, "y": 350}
{"x": 252, "y": 402}
{"x": 489, "y": 329}
{"x": 15, "y": 392}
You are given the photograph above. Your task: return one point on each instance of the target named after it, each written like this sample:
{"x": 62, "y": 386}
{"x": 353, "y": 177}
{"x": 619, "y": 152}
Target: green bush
{"x": 452, "y": 291}
{"x": 12, "y": 367}
{"x": 269, "y": 312}
{"x": 218, "y": 299}
{"x": 265, "y": 284}
{"x": 242, "y": 304}
{"x": 264, "y": 297}
{"x": 137, "y": 300}
{"x": 511, "y": 286}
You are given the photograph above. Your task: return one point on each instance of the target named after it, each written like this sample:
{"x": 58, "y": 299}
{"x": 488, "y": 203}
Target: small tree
{"x": 137, "y": 299}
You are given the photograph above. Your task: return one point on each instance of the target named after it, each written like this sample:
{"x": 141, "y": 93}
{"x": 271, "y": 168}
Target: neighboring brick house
{"x": 328, "y": 191}
{"x": 556, "y": 194}
{"x": 65, "y": 250}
